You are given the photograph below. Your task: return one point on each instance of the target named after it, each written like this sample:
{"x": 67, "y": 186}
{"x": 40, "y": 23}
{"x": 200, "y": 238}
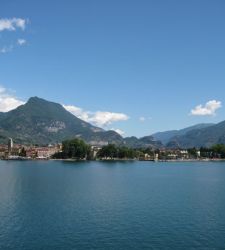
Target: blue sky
{"x": 138, "y": 66}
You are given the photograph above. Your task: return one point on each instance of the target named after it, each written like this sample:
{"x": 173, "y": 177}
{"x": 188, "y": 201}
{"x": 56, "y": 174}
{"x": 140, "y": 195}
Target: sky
{"x": 134, "y": 66}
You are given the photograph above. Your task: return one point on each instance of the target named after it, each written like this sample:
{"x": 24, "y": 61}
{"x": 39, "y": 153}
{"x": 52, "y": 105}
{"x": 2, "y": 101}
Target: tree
{"x": 192, "y": 152}
{"x": 219, "y": 150}
{"x": 126, "y": 153}
{"x": 206, "y": 152}
{"x": 23, "y": 152}
{"x": 109, "y": 151}
{"x": 76, "y": 149}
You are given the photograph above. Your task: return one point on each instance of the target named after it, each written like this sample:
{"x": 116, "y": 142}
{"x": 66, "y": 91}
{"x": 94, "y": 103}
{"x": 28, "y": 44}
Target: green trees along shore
{"x": 111, "y": 151}
{"x": 77, "y": 149}
{"x": 74, "y": 149}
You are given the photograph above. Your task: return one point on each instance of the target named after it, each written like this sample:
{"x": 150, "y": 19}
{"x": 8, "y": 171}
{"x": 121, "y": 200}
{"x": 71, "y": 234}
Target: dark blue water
{"x": 106, "y": 205}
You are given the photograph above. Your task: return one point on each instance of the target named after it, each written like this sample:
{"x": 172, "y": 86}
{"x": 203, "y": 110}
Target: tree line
{"x": 216, "y": 151}
{"x": 78, "y": 149}
{"x": 112, "y": 151}
{"x": 74, "y": 149}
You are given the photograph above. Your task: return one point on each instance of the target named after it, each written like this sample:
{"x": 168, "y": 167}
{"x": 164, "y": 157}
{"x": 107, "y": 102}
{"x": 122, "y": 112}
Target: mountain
{"x": 144, "y": 142}
{"x": 200, "y": 137}
{"x": 42, "y": 122}
{"x": 165, "y": 137}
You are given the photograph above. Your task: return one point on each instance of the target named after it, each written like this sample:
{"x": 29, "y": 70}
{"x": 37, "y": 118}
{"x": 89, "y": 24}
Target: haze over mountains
{"x": 43, "y": 122}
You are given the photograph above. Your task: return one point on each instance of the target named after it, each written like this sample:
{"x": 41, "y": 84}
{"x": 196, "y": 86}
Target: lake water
{"x": 111, "y": 205}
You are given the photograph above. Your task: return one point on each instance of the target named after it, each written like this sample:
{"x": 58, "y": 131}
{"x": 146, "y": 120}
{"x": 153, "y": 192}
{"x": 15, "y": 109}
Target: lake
{"x": 112, "y": 205}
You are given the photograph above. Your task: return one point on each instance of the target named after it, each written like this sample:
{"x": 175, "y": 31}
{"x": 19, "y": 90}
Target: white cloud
{"x": 142, "y": 119}
{"x": 208, "y": 109}
{"x": 8, "y": 101}
{"x": 98, "y": 118}
{"x": 21, "y": 42}
{"x": 11, "y": 24}
{"x": 80, "y": 113}
{"x": 119, "y": 131}
{"x": 6, "y": 49}
{"x": 102, "y": 118}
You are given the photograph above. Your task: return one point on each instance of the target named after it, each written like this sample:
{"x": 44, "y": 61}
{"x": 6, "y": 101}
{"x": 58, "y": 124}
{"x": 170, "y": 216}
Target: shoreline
{"x": 115, "y": 160}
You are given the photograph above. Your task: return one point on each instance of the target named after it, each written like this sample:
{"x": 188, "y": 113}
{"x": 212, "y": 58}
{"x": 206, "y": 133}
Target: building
{"x": 42, "y": 152}
{"x": 10, "y": 145}
{"x": 94, "y": 151}
{"x": 31, "y": 152}
{"x": 198, "y": 153}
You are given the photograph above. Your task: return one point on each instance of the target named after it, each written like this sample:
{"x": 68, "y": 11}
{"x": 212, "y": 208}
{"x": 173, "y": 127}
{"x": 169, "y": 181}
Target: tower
{"x": 10, "y": 145}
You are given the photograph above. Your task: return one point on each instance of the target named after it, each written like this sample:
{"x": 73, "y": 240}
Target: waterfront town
{"x": 17, "y": 151}
{"x": 13, "y": 151}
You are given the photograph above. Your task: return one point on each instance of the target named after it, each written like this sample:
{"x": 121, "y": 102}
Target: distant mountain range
{"x": 143, "y": 142}
{"x": 200, "y": 137}
{"x": 165, "y": 137}
{"x": 43, "y": 122}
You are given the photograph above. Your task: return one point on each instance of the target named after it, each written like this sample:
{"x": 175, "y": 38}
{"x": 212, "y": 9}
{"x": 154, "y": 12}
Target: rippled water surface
{"x": 111, "y": 205}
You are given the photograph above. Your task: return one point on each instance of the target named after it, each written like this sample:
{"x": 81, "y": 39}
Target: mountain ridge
{"x": 39, "y": 121}
{"x": 205, "y": 137}
{"x": 42, "y": 122}
{"x": 166, "y": 136}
